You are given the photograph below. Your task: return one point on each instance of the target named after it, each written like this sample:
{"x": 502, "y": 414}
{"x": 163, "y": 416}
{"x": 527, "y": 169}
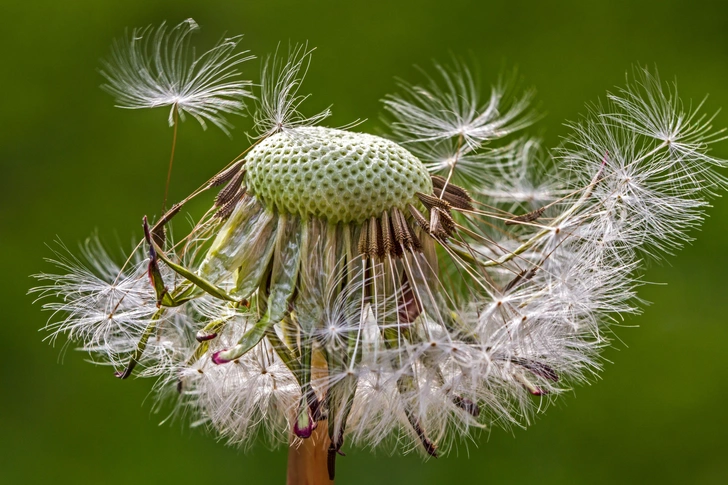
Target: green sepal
{"x": 305, "y": 419}
{"x": 141, "y": 345}
{"x": 198, "y": 281}
{"x": 213, "y": 327}
{"x": 283, "y": 352}
{"x": 250, "y": 339}
{"x": 406, "y": 385}
{"x": 340, "y": 399}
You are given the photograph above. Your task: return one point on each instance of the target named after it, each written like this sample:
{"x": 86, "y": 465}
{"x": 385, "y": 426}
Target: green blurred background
{"x": 72, "y": 164}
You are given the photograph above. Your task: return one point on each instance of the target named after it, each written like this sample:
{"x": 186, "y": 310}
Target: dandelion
{"x": 343, "y": 291}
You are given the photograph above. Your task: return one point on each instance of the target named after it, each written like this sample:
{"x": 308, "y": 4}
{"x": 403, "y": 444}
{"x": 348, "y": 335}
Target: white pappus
{"x": 394, "y": 293}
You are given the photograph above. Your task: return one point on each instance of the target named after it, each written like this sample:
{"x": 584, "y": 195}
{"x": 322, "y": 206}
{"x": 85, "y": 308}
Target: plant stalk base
{"x": 307, "y": 462}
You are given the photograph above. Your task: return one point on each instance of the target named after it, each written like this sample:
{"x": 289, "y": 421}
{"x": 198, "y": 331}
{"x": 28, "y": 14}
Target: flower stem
{"x": 307, "y": 462}
{"x": 308, "y": 458}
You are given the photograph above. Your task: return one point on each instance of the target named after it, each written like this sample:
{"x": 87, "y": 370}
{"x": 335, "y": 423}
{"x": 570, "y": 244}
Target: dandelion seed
{"x": 279, "y": 102}
{"x": 152, "y": 68}
{"x": 452, "y": 109}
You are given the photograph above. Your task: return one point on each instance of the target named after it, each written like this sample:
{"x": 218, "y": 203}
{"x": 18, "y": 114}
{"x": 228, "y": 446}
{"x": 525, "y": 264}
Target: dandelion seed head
{"x": 334, "y": 174}
{"x": 408, "y": 293}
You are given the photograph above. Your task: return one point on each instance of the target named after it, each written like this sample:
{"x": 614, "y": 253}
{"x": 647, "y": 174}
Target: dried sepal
{"x": 526, "y": 218}
{"x": 230, "y": 190}
{"x": 227, "y": 175}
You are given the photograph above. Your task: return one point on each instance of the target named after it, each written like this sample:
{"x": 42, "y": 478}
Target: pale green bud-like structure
{"x": 333, "y": 174}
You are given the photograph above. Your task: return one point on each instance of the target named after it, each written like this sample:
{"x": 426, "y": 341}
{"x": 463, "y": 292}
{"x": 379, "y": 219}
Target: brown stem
{"x": 307, "y": 462}
{"x": 308, "y": 459}
{"x": 171, "y": 158}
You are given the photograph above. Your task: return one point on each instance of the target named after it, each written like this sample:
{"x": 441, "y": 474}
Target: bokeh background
{"x": 72, "y": 164}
